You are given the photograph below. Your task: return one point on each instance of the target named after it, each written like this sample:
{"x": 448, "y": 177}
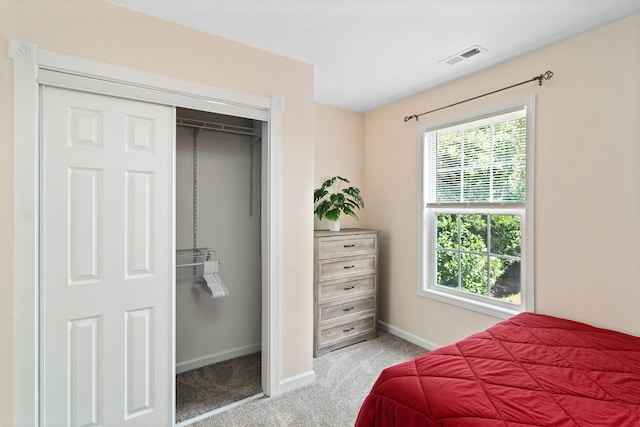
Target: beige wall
{"x": 103, "y": 32}
{"x": 587, "y": 175}
{"x": 339, "y": 148}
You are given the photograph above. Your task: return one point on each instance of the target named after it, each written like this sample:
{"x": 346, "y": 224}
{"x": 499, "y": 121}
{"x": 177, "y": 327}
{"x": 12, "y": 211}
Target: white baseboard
{"x": 414, "y": 339}
{"x": 210, "y": 359}
{"x": 297, "y": 381}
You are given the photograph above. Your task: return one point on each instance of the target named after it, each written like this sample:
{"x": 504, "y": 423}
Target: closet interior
{"x": 218, "y": 261}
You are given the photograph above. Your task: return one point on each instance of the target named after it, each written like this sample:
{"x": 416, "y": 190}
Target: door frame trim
{"x": 29, "y": 63}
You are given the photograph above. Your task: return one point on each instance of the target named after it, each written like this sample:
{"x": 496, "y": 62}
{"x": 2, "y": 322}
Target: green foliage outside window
{"x": 465, "y": 261}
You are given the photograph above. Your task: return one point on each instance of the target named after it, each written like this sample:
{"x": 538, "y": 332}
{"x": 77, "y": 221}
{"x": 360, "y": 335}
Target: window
{"x": 478, "y": 210}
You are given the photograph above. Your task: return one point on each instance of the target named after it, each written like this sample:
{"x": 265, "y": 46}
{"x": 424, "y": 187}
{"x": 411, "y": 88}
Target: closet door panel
{"x": 84, "y": 337}
{"x": 85, "y": 225}
{"x": 139, "y": 362}
{"x": 107, "y": 277}
{"x": 139, "y": 213}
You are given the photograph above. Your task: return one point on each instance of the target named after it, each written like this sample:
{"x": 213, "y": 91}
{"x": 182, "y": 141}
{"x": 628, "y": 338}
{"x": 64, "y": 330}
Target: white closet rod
{"x": 193, "y": 253}
{"x": 193, "y": 264}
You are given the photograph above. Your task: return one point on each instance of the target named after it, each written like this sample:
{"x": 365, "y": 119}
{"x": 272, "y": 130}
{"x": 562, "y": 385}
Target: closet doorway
{"x": 35, "y": 69}
{"x": 218, "y": 262}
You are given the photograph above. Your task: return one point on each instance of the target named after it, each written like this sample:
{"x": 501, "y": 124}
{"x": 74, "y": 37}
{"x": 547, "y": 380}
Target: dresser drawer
{"x": 340, "y": 267}
{"x": 335, "y": 311}
{"x": 346, "y": 330}
{"x": 346, "y": 288}
{"x": 331, "y": 246}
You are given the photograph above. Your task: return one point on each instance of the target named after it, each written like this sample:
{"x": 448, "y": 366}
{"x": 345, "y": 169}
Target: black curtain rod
{"x": 540, "y": 78}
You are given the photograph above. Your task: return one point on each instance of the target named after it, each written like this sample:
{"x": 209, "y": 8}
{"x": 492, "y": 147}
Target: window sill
{"x": 469, "y": 304}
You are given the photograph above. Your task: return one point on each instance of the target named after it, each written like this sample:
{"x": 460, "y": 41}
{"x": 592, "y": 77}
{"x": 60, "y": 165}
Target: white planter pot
{"x": 334, "y": 225}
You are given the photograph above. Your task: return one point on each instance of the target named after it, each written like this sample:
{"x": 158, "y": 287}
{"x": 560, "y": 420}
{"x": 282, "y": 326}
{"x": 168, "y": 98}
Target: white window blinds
{"x": 483, "y": 161}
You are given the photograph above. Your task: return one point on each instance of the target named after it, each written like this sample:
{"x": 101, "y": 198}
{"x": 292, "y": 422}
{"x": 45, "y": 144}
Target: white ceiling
{"x": 370, "y": 53}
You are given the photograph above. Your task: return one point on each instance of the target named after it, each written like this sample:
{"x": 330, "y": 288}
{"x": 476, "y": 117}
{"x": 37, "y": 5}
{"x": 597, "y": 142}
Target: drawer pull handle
{"x": 348, "y": 308}
{"x": 347, "y": 267}
{"x": 348, "y": 288}
{"x": 348, "y": 330}
{"x": 349, "y": 246}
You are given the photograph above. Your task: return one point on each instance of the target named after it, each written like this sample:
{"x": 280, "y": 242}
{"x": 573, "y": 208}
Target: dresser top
{"x": 343, "y": 232}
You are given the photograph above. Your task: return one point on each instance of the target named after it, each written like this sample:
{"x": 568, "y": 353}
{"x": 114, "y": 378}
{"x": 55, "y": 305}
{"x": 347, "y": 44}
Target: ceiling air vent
{"x": 465, "y": 54}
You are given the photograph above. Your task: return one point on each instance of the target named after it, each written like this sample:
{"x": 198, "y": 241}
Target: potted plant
{"x": 334, "y": 201}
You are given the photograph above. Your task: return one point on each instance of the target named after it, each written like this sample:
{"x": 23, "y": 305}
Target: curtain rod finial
{"x": 544, "y": 76}
{"x": 407, "y": 118}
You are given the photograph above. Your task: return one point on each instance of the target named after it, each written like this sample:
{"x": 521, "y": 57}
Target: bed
{"x": 529, "y": 370}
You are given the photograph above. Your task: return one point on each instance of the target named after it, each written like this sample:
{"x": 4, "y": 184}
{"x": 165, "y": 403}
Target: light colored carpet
{"x": 343, "y": 380}
{"x": 204, "y": 389}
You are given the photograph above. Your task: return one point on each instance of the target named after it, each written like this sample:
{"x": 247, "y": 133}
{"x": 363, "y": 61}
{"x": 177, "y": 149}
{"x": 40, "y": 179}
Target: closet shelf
{"x": 220, "y": 127}
{"x": 194, "y": 253}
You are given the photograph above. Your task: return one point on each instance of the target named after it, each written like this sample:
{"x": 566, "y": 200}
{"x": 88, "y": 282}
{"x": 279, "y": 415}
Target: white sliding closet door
{"x": 107, "y": 227}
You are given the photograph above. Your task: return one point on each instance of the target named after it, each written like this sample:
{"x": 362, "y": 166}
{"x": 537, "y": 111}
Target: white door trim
{"x": 28, "y": 63}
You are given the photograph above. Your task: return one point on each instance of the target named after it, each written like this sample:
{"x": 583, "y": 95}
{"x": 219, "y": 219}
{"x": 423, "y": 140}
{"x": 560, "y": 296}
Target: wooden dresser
{"x": 345, "y": 282}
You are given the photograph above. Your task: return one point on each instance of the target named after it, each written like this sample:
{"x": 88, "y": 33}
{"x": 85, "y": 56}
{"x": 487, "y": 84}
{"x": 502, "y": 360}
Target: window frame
{"x": 426, "y": 286}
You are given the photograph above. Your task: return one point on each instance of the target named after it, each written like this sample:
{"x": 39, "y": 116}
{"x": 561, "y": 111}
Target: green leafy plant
{"x": 335, "y": 201}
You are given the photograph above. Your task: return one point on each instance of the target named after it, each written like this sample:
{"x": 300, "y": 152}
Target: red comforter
{"x": 530, "y": 370}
